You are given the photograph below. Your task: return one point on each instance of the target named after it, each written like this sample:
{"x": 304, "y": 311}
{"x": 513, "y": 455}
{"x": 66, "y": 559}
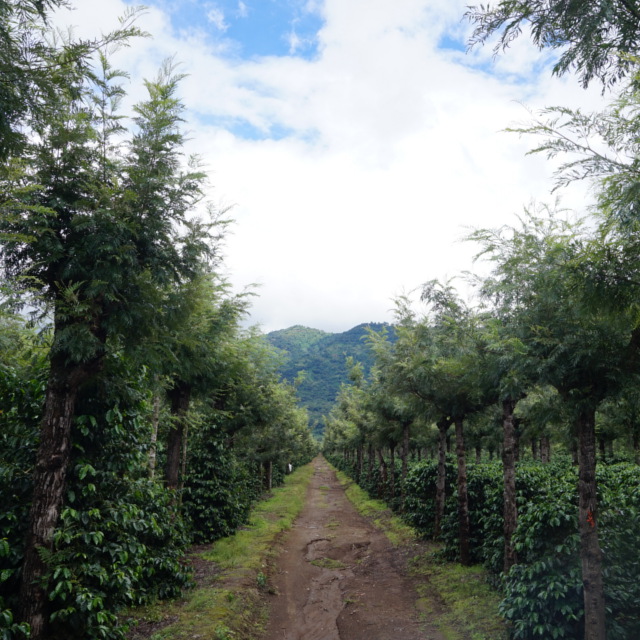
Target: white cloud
{"x": 242, "y": 11}
{"x": 395, "y": 148}
{"x": 215, "y": 15}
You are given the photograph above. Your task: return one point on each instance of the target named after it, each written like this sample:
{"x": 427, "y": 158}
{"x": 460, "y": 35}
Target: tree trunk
{"x": 443, "y": 426}
{"x": 359, "y": 456}
{"x": 509, "y": 479}
{"x": 603, "y": 453}
{"x": 392, "y": 465}
{"x": 268, "y": 475}
{"x": 635, "y": 442}
{"x": 545, "y": 449}
{"x": 183, "y": 464}
{"x": 590, "y": 553}
{"x": 49, "y": 479}
{"x": 155, "y": 420}
{"x": 573, "y": 447}
{"x": 463, "y": 500}
{"x": 405, "y": 456}
{"x": 382, "y": 486}
{"x": 180, "y": 395}
{"x": 534, "y": 448}
{"x": 478, "y": 454}
{"x": 370, "y": 460}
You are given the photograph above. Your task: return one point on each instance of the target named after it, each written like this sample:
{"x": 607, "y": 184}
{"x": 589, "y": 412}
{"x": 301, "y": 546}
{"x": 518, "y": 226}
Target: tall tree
{"x": 208, "y": 318}
{"x": 584, "y": 351}
{"x": 438, "y": 361}
{"x": 95, "y": 239}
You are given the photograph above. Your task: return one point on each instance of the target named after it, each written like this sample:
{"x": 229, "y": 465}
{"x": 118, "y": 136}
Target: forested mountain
{"x": 320, "y": 358}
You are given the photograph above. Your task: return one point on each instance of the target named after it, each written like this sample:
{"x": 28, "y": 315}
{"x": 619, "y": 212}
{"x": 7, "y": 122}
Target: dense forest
{"x": 137, "y": 416}
{"x": 316, "y": 362}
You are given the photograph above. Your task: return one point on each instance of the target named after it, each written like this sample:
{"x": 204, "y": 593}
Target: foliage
{"x": 594, "y": 38}
{"x": 420, "y": 489}
{"x": 22, "y": 386}
{"x": 543, "y": 592}
{"x": 220, "y": 489}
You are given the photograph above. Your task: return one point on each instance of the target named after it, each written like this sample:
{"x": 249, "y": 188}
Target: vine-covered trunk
{"x": 463, "y": 500}
{"x": 590, "y": 553}
{"x": 443, "y": 426}
{"x": 510, "y": 509}
{"x": 49, "y": 477}
{"x": 180, "y": 396}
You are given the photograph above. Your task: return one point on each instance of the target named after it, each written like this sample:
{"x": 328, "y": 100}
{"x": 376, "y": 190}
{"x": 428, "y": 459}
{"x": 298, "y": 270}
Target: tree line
{"x": 550, "y": 350}
{"x": 137, "y": 415}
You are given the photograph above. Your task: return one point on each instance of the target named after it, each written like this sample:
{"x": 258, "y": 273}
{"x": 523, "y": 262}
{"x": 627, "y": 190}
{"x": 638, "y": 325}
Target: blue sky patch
{"x": 245, "y": 130}
{"x": 449, "y": 42}
{"x": 252, "y": 28}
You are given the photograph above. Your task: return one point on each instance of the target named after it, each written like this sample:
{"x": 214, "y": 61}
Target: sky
{"x": 355, "y": 142}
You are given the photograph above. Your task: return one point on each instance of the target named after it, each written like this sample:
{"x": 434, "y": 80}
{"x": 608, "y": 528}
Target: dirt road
{"x": 337, "y": 577}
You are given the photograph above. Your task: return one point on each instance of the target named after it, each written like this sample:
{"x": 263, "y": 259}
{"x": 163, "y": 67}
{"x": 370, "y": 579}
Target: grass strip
{"x": 397, "y": 532}
{"x": 232, "y": 608}
{"x": 457, "y": 600}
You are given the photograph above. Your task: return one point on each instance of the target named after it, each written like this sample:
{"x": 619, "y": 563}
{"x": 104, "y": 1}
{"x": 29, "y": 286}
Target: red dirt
{"x": 337, "y": 577}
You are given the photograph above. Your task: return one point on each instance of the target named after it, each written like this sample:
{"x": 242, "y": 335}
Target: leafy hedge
{"x": 543, "y": 592}
{"x": 220, "y": 489}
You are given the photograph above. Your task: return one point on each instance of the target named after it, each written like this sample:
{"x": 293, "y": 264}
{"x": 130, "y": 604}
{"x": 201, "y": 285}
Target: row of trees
{"x": 553, "y": 345}
{"x": 107, "y": 241}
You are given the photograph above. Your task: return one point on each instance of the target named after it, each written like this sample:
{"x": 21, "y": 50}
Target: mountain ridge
{"x": 321, "y": 358}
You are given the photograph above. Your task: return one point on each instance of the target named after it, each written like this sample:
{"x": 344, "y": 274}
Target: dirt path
{"x": 338, "y": 578}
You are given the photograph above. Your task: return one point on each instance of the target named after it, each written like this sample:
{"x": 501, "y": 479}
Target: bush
{"x": 219, "y": 489}
{"x": 543, "y": 595}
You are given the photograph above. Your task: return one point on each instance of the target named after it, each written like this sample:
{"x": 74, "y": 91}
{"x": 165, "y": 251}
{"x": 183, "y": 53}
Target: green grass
{"x": 233, "y": 607}
{"x": 397, "y": 532}
{"x": 457, "y": 600}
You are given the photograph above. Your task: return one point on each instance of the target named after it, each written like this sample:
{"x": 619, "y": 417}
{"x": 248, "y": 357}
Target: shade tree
{"x": 92, "y": 238}
{"x": 583, "y": 351}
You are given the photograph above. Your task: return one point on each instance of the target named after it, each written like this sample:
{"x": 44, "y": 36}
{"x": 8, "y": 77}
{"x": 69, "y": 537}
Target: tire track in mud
{"x": 337, "y": 577}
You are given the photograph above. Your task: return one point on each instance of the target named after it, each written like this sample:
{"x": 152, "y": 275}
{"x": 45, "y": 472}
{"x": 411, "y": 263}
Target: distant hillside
{"x": 321, "y": 356}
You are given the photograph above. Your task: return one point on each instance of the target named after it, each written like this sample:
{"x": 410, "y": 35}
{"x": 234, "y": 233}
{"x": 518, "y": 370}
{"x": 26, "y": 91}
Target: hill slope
{"x": 322, "y": 357}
